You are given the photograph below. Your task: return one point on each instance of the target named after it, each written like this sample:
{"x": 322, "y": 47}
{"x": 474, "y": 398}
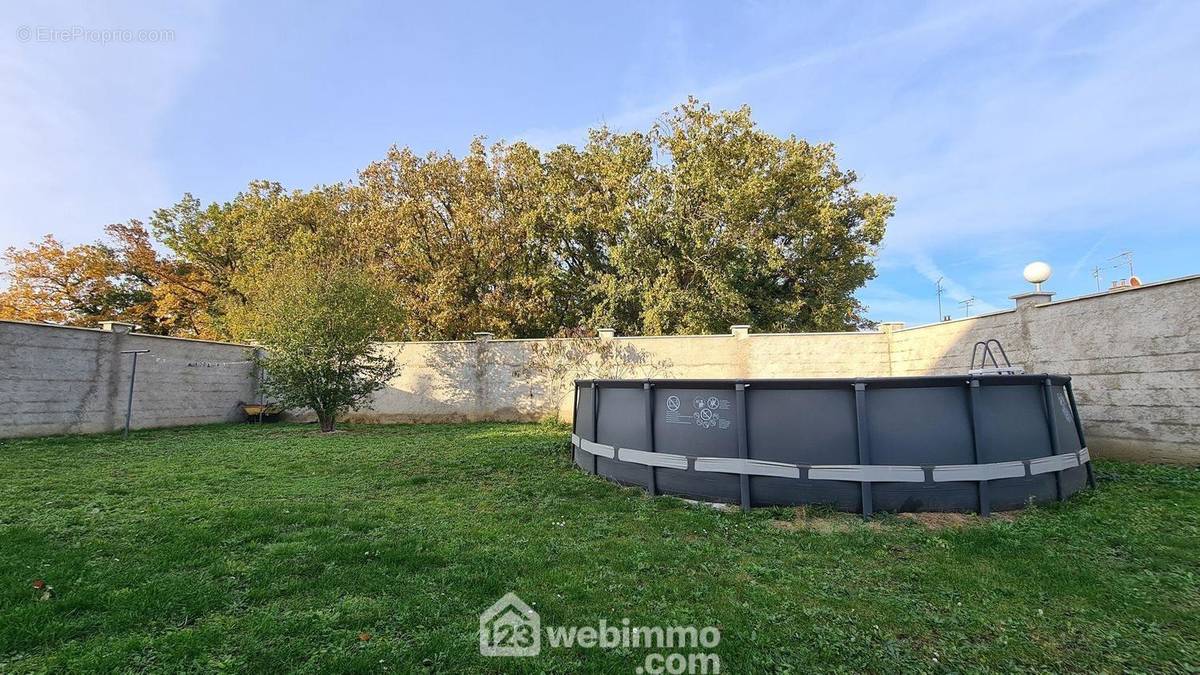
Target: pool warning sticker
{"x": 706, "y": 412}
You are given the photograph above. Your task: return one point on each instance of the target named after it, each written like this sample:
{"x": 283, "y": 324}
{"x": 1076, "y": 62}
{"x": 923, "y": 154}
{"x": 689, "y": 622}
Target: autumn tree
{"x": 119, "y": 278}
{"x": 595, "y": 196}
{"x": 179, "y": 294}
{"x": 702, "y": 221}
{"x": 78, "y": 285}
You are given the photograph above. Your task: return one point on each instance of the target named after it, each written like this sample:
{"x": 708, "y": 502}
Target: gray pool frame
{"x": 929, "y": 443}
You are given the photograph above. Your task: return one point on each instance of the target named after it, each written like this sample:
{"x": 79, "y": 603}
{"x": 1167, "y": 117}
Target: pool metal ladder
{"x": 983, "y": 351}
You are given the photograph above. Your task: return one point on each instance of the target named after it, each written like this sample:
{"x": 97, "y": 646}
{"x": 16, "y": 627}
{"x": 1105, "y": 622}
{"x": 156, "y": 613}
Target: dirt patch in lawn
{"x": 824, "y": 521}
{"x": 941, "y": 521}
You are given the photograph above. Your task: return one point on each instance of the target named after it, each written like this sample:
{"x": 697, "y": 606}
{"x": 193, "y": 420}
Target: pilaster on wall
{"x": 1032, "y": 299}
{"x": 114, "y": 342}
{"x": 740, "y": 346}
{"x": 481, "y": 365}
{"x": 888, "y": 328}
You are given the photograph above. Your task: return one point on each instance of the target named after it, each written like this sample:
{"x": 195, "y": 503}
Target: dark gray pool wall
{"x": 952, "y": 443}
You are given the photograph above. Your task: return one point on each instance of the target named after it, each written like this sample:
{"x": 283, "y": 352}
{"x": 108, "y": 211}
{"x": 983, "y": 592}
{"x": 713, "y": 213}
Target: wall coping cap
{"x": 1032, "y": 298}
{"x": 117, "y": 326}
{"x": 44, "y": 324}
{"x": 1109, "y": 292}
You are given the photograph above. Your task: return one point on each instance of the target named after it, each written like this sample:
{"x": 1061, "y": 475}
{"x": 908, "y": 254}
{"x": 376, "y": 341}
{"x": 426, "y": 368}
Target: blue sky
{"x": 1009, "y": 132}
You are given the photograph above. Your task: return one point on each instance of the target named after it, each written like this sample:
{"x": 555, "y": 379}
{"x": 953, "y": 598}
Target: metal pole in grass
{"x": 132, "y": 375}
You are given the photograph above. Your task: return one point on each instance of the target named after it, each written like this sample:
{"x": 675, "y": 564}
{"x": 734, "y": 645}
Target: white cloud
{"x": 996, "y": 125}
{"x": 953, "y": 291}
{"x": 79, "y": 117}
{"x": 886, "y": 304}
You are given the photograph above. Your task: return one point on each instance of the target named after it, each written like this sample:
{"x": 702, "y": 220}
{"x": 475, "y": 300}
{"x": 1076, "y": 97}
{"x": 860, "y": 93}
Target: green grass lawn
{"x": 277, "y": 548}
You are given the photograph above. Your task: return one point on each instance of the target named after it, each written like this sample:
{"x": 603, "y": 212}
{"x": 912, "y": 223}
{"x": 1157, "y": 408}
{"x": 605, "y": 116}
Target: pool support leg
{"x": 1091, "y": 476}
{"x": 985, "y": 501}
{"x": 1052, "y": 425}
{"x": 864, "y": 447}
{"x": 595, "y": 422}
{"x": 574, "y": 419}
{"x": 743, "y": 442}
{"x": 652, "y": 472}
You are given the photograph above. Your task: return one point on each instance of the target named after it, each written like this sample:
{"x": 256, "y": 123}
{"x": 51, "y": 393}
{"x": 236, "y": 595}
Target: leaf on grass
{"x": 47, "y": 591}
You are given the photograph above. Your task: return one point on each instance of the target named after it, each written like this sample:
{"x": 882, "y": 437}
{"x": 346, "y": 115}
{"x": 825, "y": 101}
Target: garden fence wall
{"x": 1134, "y": 356}
{"x": 59, "y": 380}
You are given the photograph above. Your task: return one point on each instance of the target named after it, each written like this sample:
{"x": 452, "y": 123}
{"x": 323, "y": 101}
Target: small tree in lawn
{"x": 319, "y": 328}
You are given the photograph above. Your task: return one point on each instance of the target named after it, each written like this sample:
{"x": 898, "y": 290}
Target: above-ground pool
{"x": 936, "y": 443}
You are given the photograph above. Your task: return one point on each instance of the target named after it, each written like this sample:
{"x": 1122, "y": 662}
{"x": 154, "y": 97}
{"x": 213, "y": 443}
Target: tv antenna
{"x": 1097, "y": 274}
{"x": 940, "y": 290}
{"x": 1124, "y": 258}
{"x": 967, "y": 304}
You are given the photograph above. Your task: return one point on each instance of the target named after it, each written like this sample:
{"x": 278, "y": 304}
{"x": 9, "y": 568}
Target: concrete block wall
{"x": 1134, "y": 356}
{"x": 488, "y": 379}
{"x": 457, "y": 381}
{"x": 59, "y": 380}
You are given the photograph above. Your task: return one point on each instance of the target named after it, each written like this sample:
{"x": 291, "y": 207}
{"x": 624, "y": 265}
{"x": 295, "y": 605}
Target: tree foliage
{"x": 744, "y": 227}
{"x": 318, "y": 323}
{"x": 464, "y": 237}
{"x": 702, "y": 221}
{"x": 50, "y": 282}
{"x": 121, "y": 278}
